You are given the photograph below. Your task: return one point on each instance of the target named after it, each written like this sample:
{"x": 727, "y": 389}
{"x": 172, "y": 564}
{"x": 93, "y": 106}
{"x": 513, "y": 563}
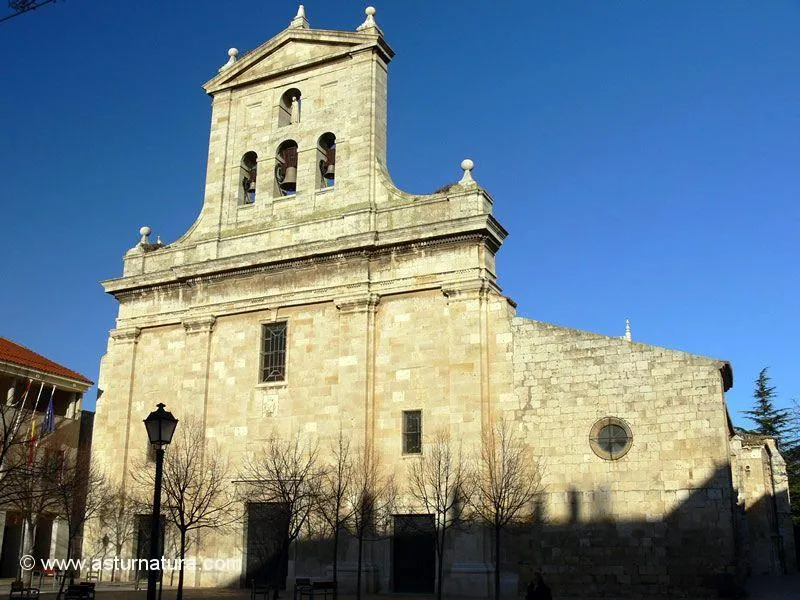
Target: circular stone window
{"x": 610, "y": 438}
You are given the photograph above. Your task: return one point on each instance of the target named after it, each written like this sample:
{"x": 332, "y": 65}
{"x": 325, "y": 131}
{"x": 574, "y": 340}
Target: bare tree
{"x": 118, "y": 518}
{"x": 439, "y": 480}
{"x": 332, "y": 502}
{"x": 30, "y": 489}
{"x": 15, "y": 423}
{"x": 196, "y": 487}
{"x": 508, "y": 479}
{"x": 370, "y": 500}
{"x": 285, "y": 474}
{"x": 79, "y": 492}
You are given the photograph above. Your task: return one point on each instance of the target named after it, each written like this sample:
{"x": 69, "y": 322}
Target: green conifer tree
{"x": 771, "y": 421}
{"x": 780, "y": 424}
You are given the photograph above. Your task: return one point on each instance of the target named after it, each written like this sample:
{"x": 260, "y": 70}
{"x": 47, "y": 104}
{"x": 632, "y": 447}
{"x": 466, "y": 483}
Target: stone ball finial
{"x": 369, "y": 22}
{"x": 144, "y": 232}
{"x": 232, "y": 54}
{"x": 467, "y": 165}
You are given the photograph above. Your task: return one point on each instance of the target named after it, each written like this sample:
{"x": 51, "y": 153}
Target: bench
{"x": 93, "y": 576}
{"x": 316, "y": 589}
{"x": 262, "y": 590}
{"x": 20, "y": 592}
{"x": 300, "y": 584}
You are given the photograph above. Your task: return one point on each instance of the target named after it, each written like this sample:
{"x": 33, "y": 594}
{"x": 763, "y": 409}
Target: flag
{"x": 49, "y": 424}
{"x": 32, "y": 441}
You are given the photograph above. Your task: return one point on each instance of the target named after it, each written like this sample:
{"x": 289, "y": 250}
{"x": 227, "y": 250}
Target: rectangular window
{"x": 412, "y": 432}
{"x": 273, "y": 352}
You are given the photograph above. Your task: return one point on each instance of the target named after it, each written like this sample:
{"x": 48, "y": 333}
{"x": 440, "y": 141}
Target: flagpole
{"x": 21, "y": 409}
{"x": 17, "y": 418}
{"x": 38, "y": 396}
{"x": 32, "y": 433}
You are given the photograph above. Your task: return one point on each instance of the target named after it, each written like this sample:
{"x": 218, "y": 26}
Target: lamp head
{"x": 160, "y": 426}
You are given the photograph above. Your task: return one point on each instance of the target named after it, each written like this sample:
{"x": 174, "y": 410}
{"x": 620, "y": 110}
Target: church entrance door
{"x": 414, "y": 554}
{"x": 266, "y": 562}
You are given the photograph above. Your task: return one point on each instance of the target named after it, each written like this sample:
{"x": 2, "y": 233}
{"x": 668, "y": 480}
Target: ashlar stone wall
{"x": 660, "y": 517}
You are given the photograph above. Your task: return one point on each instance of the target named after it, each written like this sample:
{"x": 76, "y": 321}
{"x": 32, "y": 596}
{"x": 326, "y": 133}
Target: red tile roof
{"x": 20, "y": 355}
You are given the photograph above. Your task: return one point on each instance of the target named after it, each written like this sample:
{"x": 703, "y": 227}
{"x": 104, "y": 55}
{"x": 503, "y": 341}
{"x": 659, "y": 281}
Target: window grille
{"x": 412, "y": 432}
{"x": 273, "y": 352}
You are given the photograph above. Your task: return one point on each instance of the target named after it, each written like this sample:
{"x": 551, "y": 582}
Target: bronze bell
{"x": 328, "y": 167}
{"x": 289, "y": 182}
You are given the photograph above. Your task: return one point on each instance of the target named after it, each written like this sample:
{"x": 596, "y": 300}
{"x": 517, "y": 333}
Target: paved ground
{"x": 759, "y": 588}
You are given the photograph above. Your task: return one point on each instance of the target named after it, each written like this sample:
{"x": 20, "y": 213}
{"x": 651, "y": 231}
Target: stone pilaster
{"x": 121, "y": 364}
{"x": 469, "y": 347}
{"x": 197, "y": 352}
{"x": 357, "y": 358}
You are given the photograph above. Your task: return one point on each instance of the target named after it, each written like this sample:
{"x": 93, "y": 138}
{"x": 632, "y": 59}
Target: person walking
{"x": 538, "y": 589}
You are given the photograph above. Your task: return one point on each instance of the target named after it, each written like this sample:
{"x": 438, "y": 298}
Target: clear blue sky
{"x": 643, "y": 155}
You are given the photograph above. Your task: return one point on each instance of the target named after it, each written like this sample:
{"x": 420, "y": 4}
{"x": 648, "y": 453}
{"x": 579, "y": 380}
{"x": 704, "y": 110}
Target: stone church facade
{"x": 312, "y": 295}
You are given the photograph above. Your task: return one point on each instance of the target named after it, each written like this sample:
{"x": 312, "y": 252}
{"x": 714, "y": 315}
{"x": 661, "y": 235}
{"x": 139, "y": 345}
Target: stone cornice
{"x": 308, "y": 297}
{"x": 215, "y": 270}
{"x": 351, "y": 42}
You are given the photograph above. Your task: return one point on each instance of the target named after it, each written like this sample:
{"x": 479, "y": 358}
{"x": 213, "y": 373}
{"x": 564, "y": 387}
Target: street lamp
{"x": 160, "y": 426}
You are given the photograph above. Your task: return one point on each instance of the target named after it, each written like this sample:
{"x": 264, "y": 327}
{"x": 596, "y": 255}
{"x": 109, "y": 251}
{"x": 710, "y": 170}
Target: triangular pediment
{"x": 293, "y": 50}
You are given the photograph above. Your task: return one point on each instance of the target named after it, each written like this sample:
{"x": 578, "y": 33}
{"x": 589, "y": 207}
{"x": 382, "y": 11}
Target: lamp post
{"x": 160, "y": 426}
{"x": 105, "y": 542}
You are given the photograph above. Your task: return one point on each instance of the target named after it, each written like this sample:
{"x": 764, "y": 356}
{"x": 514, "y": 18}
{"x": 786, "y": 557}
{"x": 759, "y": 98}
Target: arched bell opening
{"x": 289, "y": 107}
{"x": 286, "y": 168}
{"x": 326, "y": 160}
{"x": 248, "y": 170}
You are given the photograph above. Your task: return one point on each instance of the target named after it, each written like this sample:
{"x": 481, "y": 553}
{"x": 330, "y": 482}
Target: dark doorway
{"x": 143, "y": 528}
{"x": 414, "y": 554}
{"x": 267, "y": 562}
{"x": 12, "y": 536}
{"x": 44, "y": 537}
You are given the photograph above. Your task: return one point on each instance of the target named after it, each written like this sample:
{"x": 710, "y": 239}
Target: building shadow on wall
{"x": 704, "y": 547}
